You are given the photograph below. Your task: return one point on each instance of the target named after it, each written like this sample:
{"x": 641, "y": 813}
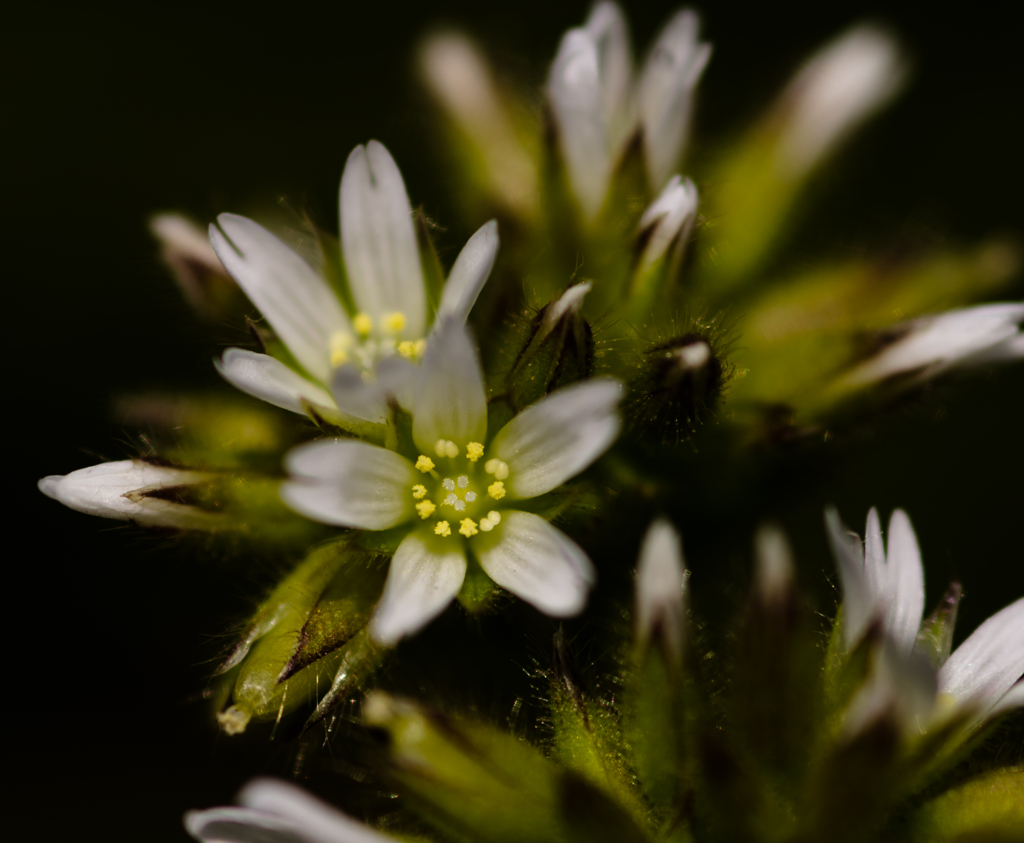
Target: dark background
{"x": 114, "y": 114}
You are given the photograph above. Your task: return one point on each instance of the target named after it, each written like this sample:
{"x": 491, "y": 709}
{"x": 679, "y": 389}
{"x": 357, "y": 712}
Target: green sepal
{"x": 342, "y": 611}
{"x": 353, "y": 665}
{"x": 433, "y": 273}
{"x": 935, "y": 640}
{"x": 589, "y": 816}
{"x": 550, "y": 357}
{"x": 478, "y": 590}
{"x": 272, "y": 640}
{"x": 467, "y": 779}
{"x": 987, "y": 808}
{"x": 586, "y": 735}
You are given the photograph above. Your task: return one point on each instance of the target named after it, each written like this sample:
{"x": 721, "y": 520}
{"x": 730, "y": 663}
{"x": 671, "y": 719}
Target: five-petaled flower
{"x": 461, "y": 492}
{"x": 351, "y": 365}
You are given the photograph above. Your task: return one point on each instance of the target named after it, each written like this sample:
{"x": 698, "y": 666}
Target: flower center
{"x": 455, "y": 494}
{"x": 371, "y": 343}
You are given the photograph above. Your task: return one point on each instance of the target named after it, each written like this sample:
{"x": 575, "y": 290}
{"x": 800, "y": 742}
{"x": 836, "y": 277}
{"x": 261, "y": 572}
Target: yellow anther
{"x": 440, "y": 447}
{"x": 425, "y": 509}
{"x": 394, "y": 322}
{"x": 451, "y": 449}
{"x": 419, "y": 491}
{"x": 340, "y": 343}
{"x": 363, "y": 324}
{"x": 442, "y": 528}
{"x": 468, "y": 527}
{"x": 474, "y": 450}
{"x": 486, "y": 525}
{"x": 491, "y": 465}
{"x": 501, "y": 471}
{"x": 421, "y": 346}
{"x": 496, "y": 490}
{"x": 490, "y": 521}
{"x": 424, "y": 464}
{"x": 407, "y": 349}
{"x": 494, "y": 516}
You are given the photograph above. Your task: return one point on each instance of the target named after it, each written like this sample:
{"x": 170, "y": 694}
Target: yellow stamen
{"x": 442, "y": 528}
{"x": 363, "y": 324}
{"x": 419, "y": 491}
{"x": 496, "y": 490}
{"x": 494, "y": 516}
{"x": 424, "y": 464}
{"x": 474, "y": 450}
{"x": 421, "y": 346}
{"x": 340, "y": 343}
{"x": 468, "y": 527}
{"x": 407, "y": 349}
{"x": 439, "y": 447}
{"x": 394, "y": 322}
{"x": 339, "y": 358}
{"x": 501, "y": 472}
{"x": 425, "y": 509}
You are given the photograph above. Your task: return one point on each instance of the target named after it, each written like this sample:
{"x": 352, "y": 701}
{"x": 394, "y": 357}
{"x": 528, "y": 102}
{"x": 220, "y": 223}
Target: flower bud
{"x": 145, "y": 493}
{"x": 558, "y": 350}
{"x": 309, "y": 635}
{"x": 678, "y": 384}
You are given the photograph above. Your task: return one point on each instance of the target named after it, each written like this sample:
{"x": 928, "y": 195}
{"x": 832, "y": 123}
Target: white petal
{"x": 114, "y": 490}
{"x": 268, "y": 379}
{"x": 876, "y": 573}
{"x": 934, "y": 344}
{"x": 606, "y": 25}
{"x": 859, "y": 601}
{"x": 379, "y": 240}
{"x": 835, "y": 91}
{"x": 242, "y": 825}
{"x": 470, "y": 272}
{"x": 357, "y": 397}
{"x": 671, "y": 217}
{"x": 670, "y": 74}
{"x": 1003, "y": 352}
{"x": 559, "y": 436}
{"x": 660, "y": 585}
{"x": 990, "y": 661}
{"x": 1012, "y": 699}
{"x": 450, "y": 402}
{"x": 298, "y": 303}
{"x": 574, "y": 88}
{"x": 538, "y": 563}
{"x": 320, "y": 822}
{"x": 905, "y": 582}
{"x": 350, "y": 484}
{"x": 423, "y": 579}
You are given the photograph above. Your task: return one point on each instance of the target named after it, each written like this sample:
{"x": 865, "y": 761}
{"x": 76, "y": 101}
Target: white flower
{"x": 835, "y": 91}
{"x": 351, "y": 365}
{"x": 459, "y": 495}
{"x": 661, "y": 587}
{"x": 131, "y": 490}
{"x": 185, "y": 248}
{"x": 597, "y": 104}
{"x": 931, "y": 345}
{"x": 887, "y": 586}
{"x": 277, "y": 812}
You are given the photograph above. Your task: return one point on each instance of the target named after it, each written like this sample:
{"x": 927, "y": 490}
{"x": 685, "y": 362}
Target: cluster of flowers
{"x": 453, "y": 471}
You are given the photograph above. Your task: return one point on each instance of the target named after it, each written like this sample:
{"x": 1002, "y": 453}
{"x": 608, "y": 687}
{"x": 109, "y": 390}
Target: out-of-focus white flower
{"x": 351, "y": 366}
{"x": 661, "y": 578}
{"x": 597, "y": 104}
{"x": 459, "y": 76}
{"x": 835, "y": 91}
{"x": 887, "y": 585}
{"x": 276, "y": 812}
{"x": 668, "y": 220}
{"x": 132, "y": 490}
{"x": 460, "y": 495}
{"x": 931, "y": 345}
{"x": 773, "y": 574}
